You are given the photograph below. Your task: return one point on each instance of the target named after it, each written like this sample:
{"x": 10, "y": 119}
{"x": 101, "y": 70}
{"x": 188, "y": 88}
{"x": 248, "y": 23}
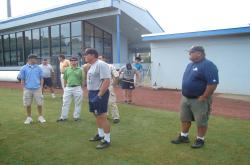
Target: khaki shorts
{"x": 195, "y": 110}
{"x": 28, "y": 96}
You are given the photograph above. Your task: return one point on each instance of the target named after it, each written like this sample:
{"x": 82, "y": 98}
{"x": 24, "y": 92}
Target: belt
{"x": 73, "y": 85}
{"x": 192, "y": 97}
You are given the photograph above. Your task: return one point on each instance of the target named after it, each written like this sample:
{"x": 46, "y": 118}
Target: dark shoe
{"x": 77, "y": 119}
{"x": 96, "y": 138}
{"x": 129, "y": 101}
{"x": 115, "y": 121}
{"x": 180, "y": 139}
{"x": 198, "y": 143}
{"x": 103, "y": 144}
{"x": 61, "y": 120}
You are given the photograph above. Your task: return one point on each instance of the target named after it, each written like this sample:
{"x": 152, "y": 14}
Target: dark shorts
{"x": 128, "y": 84}
{"x": 47, "y": 82}
{"x": 101, "y": 106}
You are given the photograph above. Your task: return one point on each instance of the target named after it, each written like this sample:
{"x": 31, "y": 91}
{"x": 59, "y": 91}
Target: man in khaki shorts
{"x": 112, "y": 96}
{"x": 199, "y": 82}
{"x": 32, "y": 81}
{"x": 64, "y": 63}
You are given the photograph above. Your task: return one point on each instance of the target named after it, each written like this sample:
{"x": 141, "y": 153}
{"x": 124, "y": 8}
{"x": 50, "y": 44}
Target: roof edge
{"x": 47, "y": 10}
{"x": 208, "y": 33}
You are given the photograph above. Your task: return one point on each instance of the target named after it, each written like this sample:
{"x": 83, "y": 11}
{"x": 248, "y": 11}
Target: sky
{"x": 174, "y": 16}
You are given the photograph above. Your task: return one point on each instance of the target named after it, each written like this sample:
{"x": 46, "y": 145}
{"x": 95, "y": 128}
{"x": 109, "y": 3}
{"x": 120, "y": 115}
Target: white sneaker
{"x": 42, "y": 96}
{"x": 53, "y": 95}
{"x": 28, "y": 120}
{"x": 41, "y": 119}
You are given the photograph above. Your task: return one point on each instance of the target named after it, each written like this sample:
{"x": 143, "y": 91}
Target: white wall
{"x": 9, "y": 76}
{"x": 231, "y": 54}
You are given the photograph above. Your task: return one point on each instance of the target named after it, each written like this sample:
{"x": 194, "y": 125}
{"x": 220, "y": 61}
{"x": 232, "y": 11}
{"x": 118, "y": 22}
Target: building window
{"x": 1, "y": 52}
{"x": 107, "y": 47}
{"x": 45, "y": 42}
{"x": 13, "y": 55}
{"x": 88, "y": 35}
{"x": 99, "y": 40}
{"x": 65, "y": 39}
{"x": 20, "y": 48}
{"x": 76, "y": 38}
{"x": 55, "y": 40}
{"x": 36, "y": 41}
{"x": 28, "y": 43}
{"x": 6, "y": 50}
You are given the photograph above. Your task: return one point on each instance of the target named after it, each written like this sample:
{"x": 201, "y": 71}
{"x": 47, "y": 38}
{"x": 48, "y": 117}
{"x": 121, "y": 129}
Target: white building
{"x": 229, "y": 49}
{"x": 113, "y": 27}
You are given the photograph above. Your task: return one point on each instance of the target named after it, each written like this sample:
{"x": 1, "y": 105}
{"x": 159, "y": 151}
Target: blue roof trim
{"x": 49, "y": 10}
{"x": 209, "y": 33}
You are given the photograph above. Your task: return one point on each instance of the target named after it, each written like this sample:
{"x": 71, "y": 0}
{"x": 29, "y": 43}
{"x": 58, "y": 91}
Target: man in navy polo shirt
{"x": 32, "y": 81}
{"x": 199, "y": 82}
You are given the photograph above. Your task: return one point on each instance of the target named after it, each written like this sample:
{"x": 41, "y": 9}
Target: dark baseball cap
{"x": 73, "y": 58}
{"x": 32, "y": 56}
{"x": 196, "y": 49}
{"x": 91, "y": 51}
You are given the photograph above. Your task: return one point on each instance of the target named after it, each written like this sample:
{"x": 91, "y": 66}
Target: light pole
{"x": 8, "y": 8}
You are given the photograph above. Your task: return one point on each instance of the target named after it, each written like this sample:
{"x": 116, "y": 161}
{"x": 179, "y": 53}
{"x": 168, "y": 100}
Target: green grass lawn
{"x": 142, "y": 138}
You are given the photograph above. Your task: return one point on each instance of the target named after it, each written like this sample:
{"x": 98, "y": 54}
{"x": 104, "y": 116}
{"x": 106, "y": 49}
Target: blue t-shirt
{"x": 197, "y": 76}
{"x": 31, "y": 75}
{"x": 138, "y": 66}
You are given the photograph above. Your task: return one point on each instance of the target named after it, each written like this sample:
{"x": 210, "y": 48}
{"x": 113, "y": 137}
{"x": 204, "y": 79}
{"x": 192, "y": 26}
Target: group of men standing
{"x": 199, "y": 82}
{"x": 98, "y": 81}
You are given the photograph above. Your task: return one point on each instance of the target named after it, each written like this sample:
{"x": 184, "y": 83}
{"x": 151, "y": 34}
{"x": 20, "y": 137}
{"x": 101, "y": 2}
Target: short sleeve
{"x": 51, "y": 68}
{"x": 40, "y": 73}
{"x": 122, "y": 69}
{"x": 211, "y": 74}
{"x": 105, "y": 72}
{"x": 65, "y": 75}
{"x": 22, "y": 74}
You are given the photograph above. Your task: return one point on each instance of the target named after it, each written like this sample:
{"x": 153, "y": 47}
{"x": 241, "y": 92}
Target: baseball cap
{"x": 196, "y": 49}
{"x": 91, "y": 51}
{"x": 32, "y": 56}
{"x": 73, "y": 58}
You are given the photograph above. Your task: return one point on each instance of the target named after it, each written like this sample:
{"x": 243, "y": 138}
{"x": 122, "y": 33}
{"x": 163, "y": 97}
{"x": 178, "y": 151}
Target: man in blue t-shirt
{"x": 199, "y": 82}
{"x": 32, "y": 81}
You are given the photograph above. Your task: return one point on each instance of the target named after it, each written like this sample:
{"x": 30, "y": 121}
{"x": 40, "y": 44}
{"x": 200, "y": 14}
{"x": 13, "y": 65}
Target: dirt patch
{"x": 170, "y": 100}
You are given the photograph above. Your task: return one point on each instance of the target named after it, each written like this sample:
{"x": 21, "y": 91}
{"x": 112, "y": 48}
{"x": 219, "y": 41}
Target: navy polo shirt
{"x": 197, "y": 76}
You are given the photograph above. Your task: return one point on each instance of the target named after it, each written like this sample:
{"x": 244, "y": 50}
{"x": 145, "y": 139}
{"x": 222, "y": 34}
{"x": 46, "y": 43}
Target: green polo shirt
{"x": 73, "y": 76}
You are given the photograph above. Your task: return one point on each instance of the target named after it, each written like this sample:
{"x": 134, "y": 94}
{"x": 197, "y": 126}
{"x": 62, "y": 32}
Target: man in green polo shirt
{"x": 73, "y": 80}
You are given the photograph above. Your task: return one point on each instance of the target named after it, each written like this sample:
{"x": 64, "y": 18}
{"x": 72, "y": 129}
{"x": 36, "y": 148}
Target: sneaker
{"x": 76, "y": 119}
{"x": 41, "y": 119}
{"x": 96, "y": 138}
{"x": 115, "y": 121}
{"x": 198, "y": 143}
{"x": 180, "y": 139}
{"x": 61, "y": 120}
{"x": 53, "y": 95}
{"x": 28, "y": 120}
{"x": 42, "y": 96}
{"x": 103, "y": 144}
